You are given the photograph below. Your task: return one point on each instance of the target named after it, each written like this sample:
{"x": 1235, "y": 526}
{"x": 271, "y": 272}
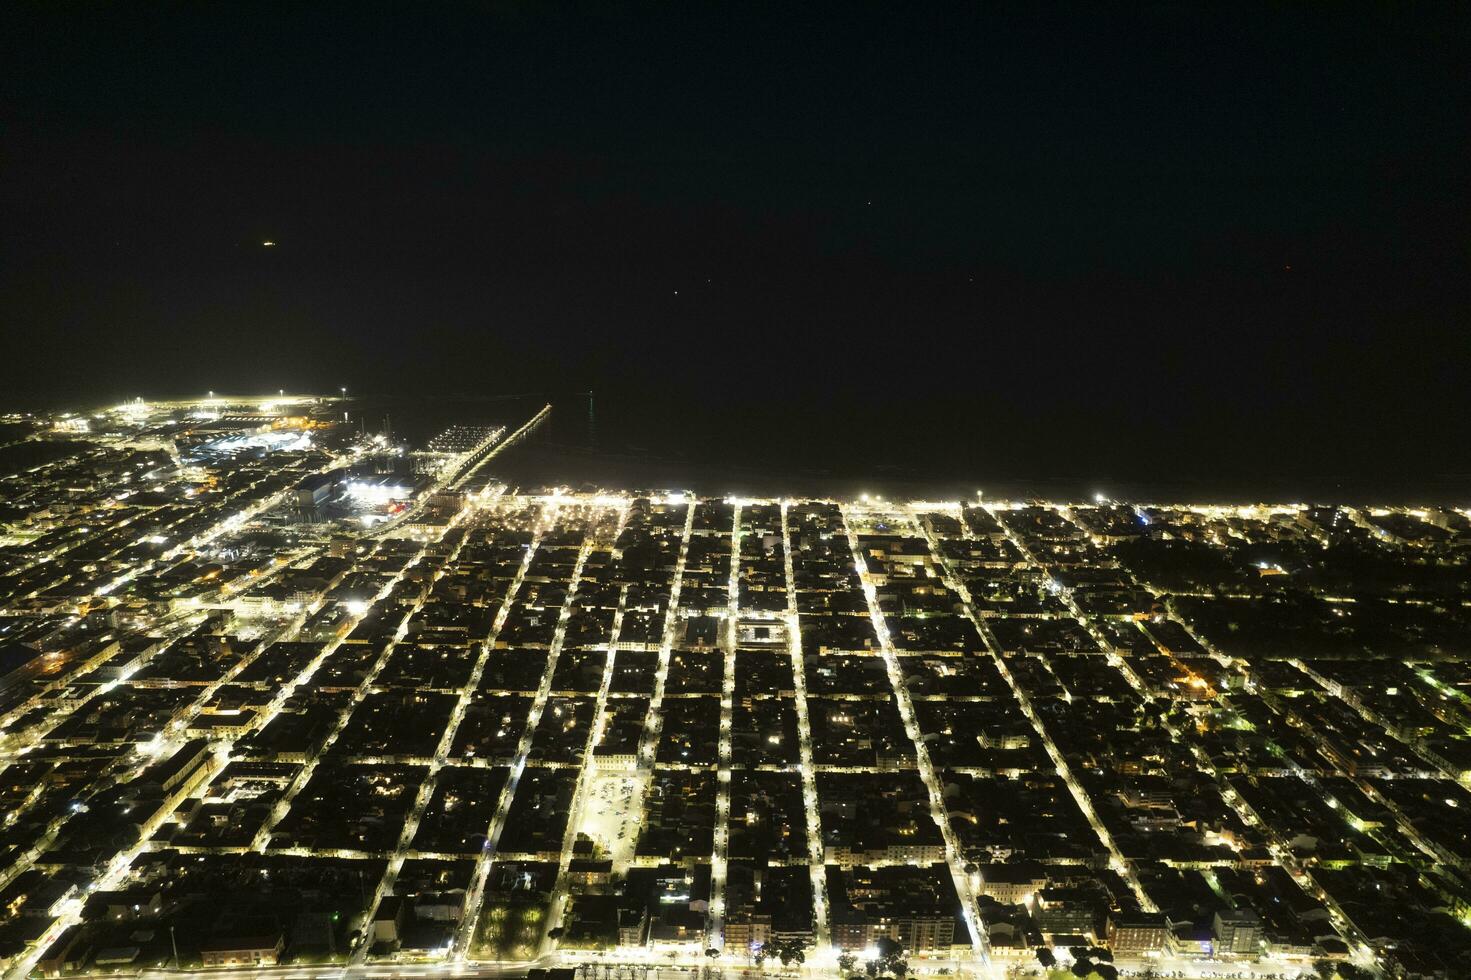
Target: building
{"x": 633, "y": 925}
{"x": 68, "y": 954}
{"x": 181, "y": 769}
{"x": 747, "y": 930}
{"x": 1012, "y": 884}
{"x": 388, "y": 921}
{"x": 921, "y": 933}
{"x": 240, "y": 950}
{"x": 128, "y": 904}
{"x": 677, "y": 927}
{"x": 1188, "y": 941}
{"x": 1067, "y": 912}
{"x": 585, "y": 872}
{"x": 914, "y": 906}
{"x": 1238, "y": 933}
{"x": 314, "y": 491}
{"x": 1139, "y": 934}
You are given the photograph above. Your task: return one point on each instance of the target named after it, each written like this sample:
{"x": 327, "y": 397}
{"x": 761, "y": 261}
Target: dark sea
{"x": 643, "y": 441}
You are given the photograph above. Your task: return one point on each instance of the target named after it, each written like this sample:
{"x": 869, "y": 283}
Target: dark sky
{"x": 1225, "y": 240}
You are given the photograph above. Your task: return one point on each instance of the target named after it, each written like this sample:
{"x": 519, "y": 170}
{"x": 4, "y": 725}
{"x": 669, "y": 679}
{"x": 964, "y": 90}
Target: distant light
{"x": 1099, "y": 498}
{"x": 269, "y": 244}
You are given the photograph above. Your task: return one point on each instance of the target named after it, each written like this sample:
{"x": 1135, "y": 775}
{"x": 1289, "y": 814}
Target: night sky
{"x": 1107, "y": 238}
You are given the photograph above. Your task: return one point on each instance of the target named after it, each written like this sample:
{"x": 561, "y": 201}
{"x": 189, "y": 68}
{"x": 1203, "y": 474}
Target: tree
{"x": 712, "y": 952}
{"x": 1325, "y": 969}
{"x": 846, "y": 962}
{"x": 888, "y": 958}
{"x": 789, "y": 951}
{"x": 1046, "y": 957}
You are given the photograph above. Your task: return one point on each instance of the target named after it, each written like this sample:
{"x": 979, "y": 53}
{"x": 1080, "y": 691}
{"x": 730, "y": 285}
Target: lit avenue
{"x": 283, "y": 694}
